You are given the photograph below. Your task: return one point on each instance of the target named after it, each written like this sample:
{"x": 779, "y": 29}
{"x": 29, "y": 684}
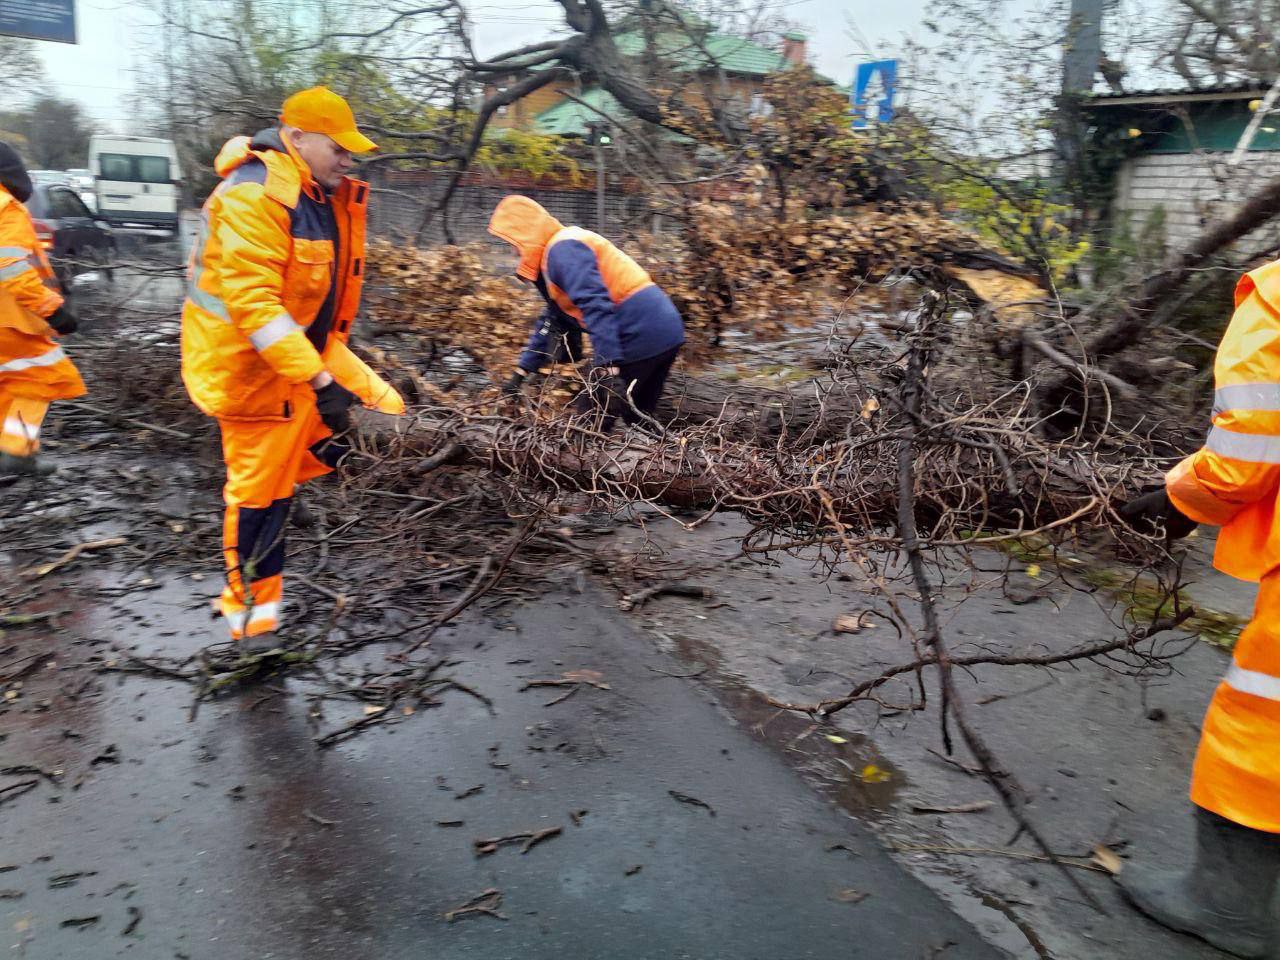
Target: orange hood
{"x": 268, "y": 146}
{"x": 233, "y": 153}
{"x": 526, "y": 226}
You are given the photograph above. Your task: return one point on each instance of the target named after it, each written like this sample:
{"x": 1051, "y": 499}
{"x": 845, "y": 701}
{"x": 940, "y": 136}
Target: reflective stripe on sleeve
{"x": 44, "y": 360}
{"x": 15, "y": 270}
{"x": 22, "y": 252}
{"x": 273, "y": 332}
{"x": 1247, "y": 396}
{"x": 1250, "y": 447}
{"x": 208, "y": 302}
{"x": 1251, "y": 681}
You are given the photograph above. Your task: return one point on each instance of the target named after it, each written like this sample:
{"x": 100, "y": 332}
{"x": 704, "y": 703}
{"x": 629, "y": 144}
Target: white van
{"x": 137, "y": 182}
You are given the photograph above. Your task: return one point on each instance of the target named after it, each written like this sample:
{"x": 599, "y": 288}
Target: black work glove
{"x": 604, "y": 392}
{"x": 333, "y": 403}
{"x": 1152, "y": 511}
{"x": 514, "y": 384}
{"x": 63, "y": 321}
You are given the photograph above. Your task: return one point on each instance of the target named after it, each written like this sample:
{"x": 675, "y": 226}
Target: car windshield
{"x": 131, "y": 168}
{"x": 38, "y": 204}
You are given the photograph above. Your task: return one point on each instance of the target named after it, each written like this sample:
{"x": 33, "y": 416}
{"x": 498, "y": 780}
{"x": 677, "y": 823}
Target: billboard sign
{"x": 39, "y": 19}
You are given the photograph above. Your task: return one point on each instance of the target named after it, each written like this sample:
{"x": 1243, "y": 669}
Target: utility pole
{"x": 1081, "y": 55}
{"x": 599, "y": 187}
{"x": 598, "y": 137}
{"x": 1083, "y": 50}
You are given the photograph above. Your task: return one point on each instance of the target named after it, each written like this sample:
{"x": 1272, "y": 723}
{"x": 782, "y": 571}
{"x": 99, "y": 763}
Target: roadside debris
{"x": 485, "y": 903}
{"x": 528, "y": 840}
{"x": 691, "y": 801}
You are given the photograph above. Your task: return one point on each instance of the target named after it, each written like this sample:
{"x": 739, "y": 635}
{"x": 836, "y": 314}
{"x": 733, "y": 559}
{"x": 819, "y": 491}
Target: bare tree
{"x": 21, "y": 75}
{"x": 1222, "y": 41}
{"x": 55, "y": 133}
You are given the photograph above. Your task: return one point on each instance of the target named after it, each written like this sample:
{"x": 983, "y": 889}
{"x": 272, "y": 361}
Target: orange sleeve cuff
{"x": 1194, "y": 499}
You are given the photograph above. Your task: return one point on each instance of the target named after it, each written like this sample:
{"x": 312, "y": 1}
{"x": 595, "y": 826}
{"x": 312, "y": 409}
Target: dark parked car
{"x": 80, "y": 247}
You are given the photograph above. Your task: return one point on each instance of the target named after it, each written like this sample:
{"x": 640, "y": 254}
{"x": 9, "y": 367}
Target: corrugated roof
{"x": 714, "y": 51}
{"x": 1227, "y": 91}
{"x": 742, "y": 56}
{"x": 570, "y": 118}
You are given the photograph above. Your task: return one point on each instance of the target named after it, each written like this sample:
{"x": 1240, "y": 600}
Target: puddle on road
{"x": 847, "y": 769}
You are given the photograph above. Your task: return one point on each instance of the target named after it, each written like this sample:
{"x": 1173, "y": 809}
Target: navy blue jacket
{"x": 642, "y": 326}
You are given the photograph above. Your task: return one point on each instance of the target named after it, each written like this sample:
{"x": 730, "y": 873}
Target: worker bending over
{"x": 274, "y": 285}
{"x": 33, "y": 369}
{"x": 588, "y": 283}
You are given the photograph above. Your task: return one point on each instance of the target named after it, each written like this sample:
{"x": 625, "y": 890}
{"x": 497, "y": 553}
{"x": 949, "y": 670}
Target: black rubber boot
{"x": 259, "y": 644}
{"x": 1226, "y": 897}
{"x": 11, "y": 465}
{"x": 301, "y": 515}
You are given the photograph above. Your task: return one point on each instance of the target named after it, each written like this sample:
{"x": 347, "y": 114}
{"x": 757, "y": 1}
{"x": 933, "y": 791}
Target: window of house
{"x": 760, "y": 107}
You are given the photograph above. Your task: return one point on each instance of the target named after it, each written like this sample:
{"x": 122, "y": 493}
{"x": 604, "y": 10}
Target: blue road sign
{"x": 39, "y": 19}
{"x": 872, "y": 96}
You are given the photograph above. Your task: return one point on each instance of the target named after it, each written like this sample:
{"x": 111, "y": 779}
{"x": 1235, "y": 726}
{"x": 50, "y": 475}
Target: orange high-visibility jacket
{"x": 31, "y": 362}
{"x": 527, "y": 226}
{"x": 270, "y": 295}
{"x": 1234, "y": 480}
{"x": 590, "y": 281}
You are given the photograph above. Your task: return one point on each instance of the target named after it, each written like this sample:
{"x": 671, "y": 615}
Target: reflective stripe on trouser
{"x": 1237, "y": 770}
{"x": 20, "y": 419}
{"x": 265, "y": 460}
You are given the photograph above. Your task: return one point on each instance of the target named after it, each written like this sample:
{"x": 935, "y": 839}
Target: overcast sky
{"x": 99, "y": 71}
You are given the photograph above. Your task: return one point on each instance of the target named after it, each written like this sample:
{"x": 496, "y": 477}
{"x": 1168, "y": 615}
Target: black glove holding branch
{"x": 333, "y": 403}
{"x": 1153, "y": 511}
{"x": 514, "y": 384}
{"x": 604, "y": 392}
{"x": 63, "y": 321}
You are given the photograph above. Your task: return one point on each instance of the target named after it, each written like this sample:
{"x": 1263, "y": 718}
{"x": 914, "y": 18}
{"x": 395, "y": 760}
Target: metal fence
{"x": 401, "y": 199}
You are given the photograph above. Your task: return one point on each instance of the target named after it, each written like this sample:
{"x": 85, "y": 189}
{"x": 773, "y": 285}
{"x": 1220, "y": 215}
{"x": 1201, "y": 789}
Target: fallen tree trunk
{"x": 966, "y": 482}
{"x": 813, "y": 412}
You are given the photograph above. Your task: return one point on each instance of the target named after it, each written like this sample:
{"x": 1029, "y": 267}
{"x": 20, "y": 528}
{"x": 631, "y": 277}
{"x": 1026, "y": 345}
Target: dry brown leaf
{"x": 852, "y": 622}
{"x": 1106, "y": 858}
{"x": 850, "y": 895}
{"x": 593, "y": 678}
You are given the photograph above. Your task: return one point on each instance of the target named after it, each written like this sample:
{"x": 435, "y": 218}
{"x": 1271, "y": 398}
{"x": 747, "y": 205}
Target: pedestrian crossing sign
{"x": 872, "y": 95}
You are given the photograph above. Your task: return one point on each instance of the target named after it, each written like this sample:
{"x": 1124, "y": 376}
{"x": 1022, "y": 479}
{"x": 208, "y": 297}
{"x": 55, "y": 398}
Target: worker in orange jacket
{"x": 589, "y": 284}
{"x": 1233, "y": 482}
{"x": 34, "y": 370}
{"x": 273, "y": 288}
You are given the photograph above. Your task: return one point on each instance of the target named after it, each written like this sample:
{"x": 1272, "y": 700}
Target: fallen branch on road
{"x": 485, "y": 903}
{"x": 527, "y": 839}
{"x": 43, "y": 570}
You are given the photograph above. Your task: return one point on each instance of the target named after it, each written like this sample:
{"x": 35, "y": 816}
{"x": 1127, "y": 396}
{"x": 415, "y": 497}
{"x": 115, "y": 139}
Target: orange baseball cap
{"x": 320, "y": 110}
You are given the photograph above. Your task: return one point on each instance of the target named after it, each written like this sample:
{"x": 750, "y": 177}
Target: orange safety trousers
{"x": 20, "y": 419}
{"x": 1237, "y": 769}
{"x": 266, "y": 460}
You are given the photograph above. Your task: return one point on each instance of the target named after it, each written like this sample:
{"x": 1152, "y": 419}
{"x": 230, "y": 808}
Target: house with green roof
{"x": 737, "y": 66}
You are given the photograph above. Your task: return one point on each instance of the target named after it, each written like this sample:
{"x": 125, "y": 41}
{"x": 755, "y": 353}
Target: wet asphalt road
{"x": 233, "y": 836}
